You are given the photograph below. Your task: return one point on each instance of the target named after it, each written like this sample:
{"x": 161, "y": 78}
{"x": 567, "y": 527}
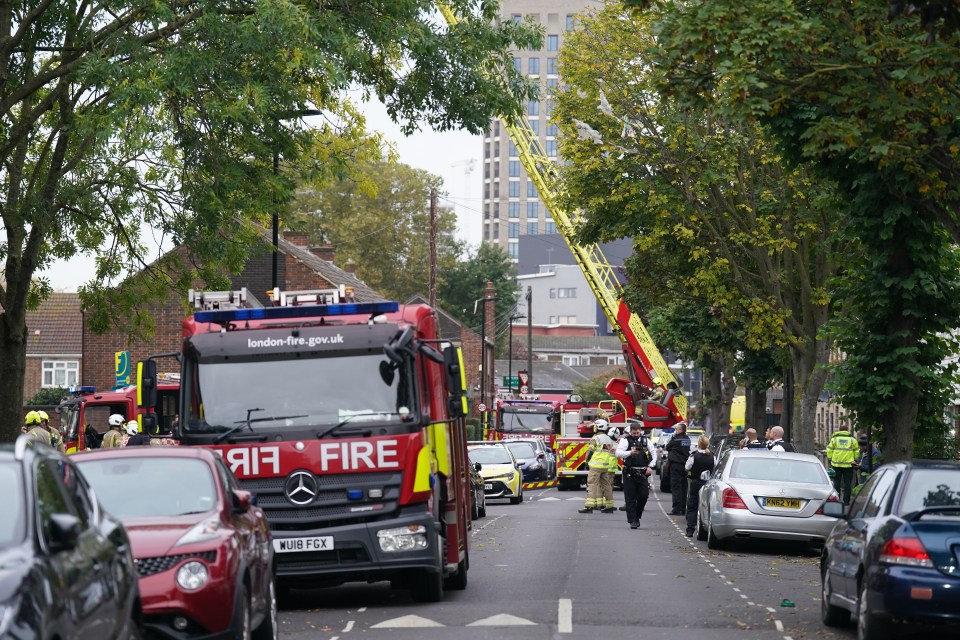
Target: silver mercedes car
{"x": 755, "y": 493}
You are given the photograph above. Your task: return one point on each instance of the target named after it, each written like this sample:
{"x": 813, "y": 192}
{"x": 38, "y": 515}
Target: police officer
{"x": 842, "y": 451}
{"x": 700, "y": 461}
{"x": 751, "y": 440}
{"x": 639, "y": 457}
{"x": 777, "y": 443}
{"x": 678, "y": 450}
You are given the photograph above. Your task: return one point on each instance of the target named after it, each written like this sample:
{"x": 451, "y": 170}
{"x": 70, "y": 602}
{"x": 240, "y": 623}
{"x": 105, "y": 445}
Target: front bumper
{"x": 356, "y": 555}
{"x": 901, "y": 592}
{"x": 501, "y": 488}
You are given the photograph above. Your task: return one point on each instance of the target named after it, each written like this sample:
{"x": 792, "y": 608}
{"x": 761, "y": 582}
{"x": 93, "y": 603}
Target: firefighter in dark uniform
{"x": 678, "y": 450}
{"x": 639, "y": 456}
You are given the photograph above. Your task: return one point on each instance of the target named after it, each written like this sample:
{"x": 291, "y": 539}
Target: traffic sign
{"x": 511, "y": 381}
{"x": 523, "y": 389}
{"x": 524, "y": 377}
{"x": 481, "y": 407}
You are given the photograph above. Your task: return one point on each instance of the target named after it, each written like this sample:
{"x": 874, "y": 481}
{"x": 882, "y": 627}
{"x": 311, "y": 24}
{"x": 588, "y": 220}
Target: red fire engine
{"x": 346, "y": 420}
{"x": 527, "y": 419}
{"x": 87, "y": 406}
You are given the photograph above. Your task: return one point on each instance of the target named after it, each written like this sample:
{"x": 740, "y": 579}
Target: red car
{"x": 202, "y": 547}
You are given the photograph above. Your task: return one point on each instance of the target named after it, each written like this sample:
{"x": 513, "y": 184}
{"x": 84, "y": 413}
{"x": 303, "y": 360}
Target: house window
{"x": 571, "y": 25}
{"x": 533, "y": 66}
{"x": 615, "y": 360}
{"x": 514, "y": 189}
{"x": 513, "y": 209}
{"x": 568, "y": 292}
{"x": 531, "y": 190}
{"x": 512, "y": 149}
{"x": 551, "y": 227}
{"x": 552, "y": 85}
{"x": 532, "y": 229}
{"x": 553, "y": 130}
{"x": 514, "y": 168}
{"x": 567, "y": 319}
{"x": 533, "y": 108}
{"x": 516, "y": 64}
{"x": 513, "y": 250}
{"x": 533, "y": 209}
{"x": 571, "y": 361}
{"x": 513, "y": 229}
{"x": 552, "y": 148}
{"x": 60, "y": 373}
{"x": 553, "y": 43}
{"x": 553, "y": 293}
{"x": 552, "y": 66}
{"x": 535, "y": 125}
{"x": 553, "y": 319}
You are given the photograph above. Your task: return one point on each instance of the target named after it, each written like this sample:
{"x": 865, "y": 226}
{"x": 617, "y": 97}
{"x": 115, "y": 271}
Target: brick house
{"x": 299, "y": 267}
{"x": 54, "y": 344}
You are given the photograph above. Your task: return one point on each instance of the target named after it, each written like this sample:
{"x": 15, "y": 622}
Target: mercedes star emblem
{"x": 301, "y": 488}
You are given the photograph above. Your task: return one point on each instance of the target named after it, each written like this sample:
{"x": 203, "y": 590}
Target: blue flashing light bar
{"x": 282, "y": 313}
{"x": 75, "y": 390}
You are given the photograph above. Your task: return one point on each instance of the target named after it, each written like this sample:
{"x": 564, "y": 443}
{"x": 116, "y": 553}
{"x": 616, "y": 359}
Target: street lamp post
{"x": 510, "y": 344}
{"x": 300, "y": 113}
{"x": 483, "y": 355}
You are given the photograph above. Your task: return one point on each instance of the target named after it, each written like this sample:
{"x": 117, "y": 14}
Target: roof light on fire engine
{"x": 280, "y": 313}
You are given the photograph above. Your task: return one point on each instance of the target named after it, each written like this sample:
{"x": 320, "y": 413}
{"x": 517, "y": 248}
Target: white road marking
{"x": 779, "y": 625}
{"x": 487, "y": 524}
{"x": 565, "y": 616}
{"x": 771, "y": 610}
{"x": 548, "y": 499}
{"x": 406, "y": 622}
{"x": 349, "y": 626}
{"x": 501, "y": 620}
{"x": 361, "y": 609}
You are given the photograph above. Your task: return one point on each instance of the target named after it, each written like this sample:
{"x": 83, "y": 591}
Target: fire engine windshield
{"x": 270, "y": 395}
{"x": 69, "y": 420}
{"x": 526, "y": 421}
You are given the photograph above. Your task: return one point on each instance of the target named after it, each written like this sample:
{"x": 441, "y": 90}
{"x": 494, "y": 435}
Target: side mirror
{"x": 64, "y": 532}
{"x": 833, "y": 509}
{"x": 456, "y": 382}
{"x": 147, "y": 384}
{"x": 242, "y": 500}
{"x": 148, "y": 422}
{"x": 541, "y": 456}
{"x": 477, "y": 466}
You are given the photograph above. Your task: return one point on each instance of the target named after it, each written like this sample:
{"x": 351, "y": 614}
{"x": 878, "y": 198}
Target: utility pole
{"x": 433, "y": 249}
{"x": 510, "y": 343}
{"x": 529, "y": 339}
{"x": 276, "y": 226}
{"x": 483, "y": 351}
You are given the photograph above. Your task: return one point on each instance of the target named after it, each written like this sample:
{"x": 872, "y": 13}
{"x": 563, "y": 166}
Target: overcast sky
{"x": 447, "y": 155}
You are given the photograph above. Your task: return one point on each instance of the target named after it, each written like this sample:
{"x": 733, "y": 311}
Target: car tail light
{"x": 833, "y": 498}
{"x": 905, "y": 551}
{"x": 732, "y": 499}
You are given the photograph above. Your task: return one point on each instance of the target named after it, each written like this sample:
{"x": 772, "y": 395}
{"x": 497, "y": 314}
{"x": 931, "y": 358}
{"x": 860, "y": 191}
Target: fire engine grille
{"x": 341, "y": 499}
{"x": 314, "y": 560}
{"x": 149, "y": 566}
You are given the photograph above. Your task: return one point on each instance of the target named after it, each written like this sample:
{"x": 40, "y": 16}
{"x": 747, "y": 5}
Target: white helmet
{"x": 601, "y": 424}
{"x": 116, "y": 420}
{"x": 133, "y": 427}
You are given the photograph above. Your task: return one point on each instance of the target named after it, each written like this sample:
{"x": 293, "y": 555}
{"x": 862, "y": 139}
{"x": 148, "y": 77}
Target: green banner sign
{"x": 511, "y": 381}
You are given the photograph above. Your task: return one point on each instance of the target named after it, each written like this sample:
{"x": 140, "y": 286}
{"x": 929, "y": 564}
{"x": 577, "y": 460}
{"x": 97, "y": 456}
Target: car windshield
{"x": 522, "y": 450}
{"x": 490, "y": 455}
{"x": 776, "y": 469}
{"x": 928, "y": 488}
{"x": 536, "y": 421}
{"x": 297, "y": 392}
{"x": 177, "y": 486}
{"x": 13, "y": 522}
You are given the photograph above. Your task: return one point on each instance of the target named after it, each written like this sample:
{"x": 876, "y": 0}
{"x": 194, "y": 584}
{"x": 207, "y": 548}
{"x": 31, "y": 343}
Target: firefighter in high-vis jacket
{"x": 842, "y": 450}
{"x": 602, "y": 465}
{"x": 35, "y": 429}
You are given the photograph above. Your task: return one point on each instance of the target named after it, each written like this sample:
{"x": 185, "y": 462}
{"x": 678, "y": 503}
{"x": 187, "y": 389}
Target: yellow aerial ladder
{"x": 654, "y": 387}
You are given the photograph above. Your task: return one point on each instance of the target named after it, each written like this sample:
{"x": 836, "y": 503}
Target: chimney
{"x": 325, "y": 252}
{"x": 350, "y": 267}
{"x": 296, "y": 237}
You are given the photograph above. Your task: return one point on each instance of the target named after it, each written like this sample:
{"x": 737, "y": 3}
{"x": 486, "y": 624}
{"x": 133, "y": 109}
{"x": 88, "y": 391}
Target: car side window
{"x": 880, "y": 496}
{"x": 50, "y": 497}
{"x": 858, "y": 506}
{"x": 227, "y": 478}
{"x": 77, "y": 491}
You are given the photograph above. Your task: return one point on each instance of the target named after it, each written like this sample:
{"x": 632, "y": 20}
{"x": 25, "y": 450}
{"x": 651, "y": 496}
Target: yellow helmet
{"x": 32, "y": 418}
{"x": 43, "y": 415}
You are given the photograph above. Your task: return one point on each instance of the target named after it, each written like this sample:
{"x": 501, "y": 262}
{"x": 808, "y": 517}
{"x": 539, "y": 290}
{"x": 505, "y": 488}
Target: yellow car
{"x": 501, "y": 476}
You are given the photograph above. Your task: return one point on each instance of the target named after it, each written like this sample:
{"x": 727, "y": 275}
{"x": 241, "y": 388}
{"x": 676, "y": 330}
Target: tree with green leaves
{"x": 466, "y": 282}
{"x": 706, "y": 195}
{"x": 379, "y": 220}
{"x": 119, "y": 116}
{"x": 595, "y": 389}
{"x": 871, "y": 101}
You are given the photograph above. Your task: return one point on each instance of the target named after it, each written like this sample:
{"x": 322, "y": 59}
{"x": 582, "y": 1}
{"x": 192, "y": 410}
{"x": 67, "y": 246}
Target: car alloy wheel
{"x": 701, "y": 530}
{"x": 241, "y": 623}
{"x": 869, "y": 626}
{"x": 713, "y": 542}
{"x": 268, "y": 629}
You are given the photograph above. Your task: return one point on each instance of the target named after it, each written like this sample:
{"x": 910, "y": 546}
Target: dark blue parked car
{"x": 532, "y": 457}
{"x": 894, "y": 555}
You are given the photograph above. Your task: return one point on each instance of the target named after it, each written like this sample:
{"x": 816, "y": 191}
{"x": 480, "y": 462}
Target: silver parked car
{"x": 766, "y": 494}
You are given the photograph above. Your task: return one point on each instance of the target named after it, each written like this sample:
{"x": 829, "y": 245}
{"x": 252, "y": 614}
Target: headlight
{"x": 409, "y": 538}
{"x": 192, "y": 576}
{"x": 201, "y": 532}
{"x": 501, "y": 476}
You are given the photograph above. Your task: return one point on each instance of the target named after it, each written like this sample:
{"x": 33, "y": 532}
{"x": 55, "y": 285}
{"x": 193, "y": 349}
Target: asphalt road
{"x": 541, "y": 570}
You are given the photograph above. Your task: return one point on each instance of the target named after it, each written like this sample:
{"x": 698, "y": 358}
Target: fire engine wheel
{"x": 458, "y": 581}
{"x": 482, "y": 507}
{"x": 426, "y": 586}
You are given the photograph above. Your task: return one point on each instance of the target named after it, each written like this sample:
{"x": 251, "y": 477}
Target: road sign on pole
{"x": 481, "y": 407}
{"x": 523, "y": 389}
{"x": 511, "y": 381}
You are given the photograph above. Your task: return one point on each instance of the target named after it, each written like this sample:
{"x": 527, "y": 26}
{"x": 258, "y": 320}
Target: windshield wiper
{"x": 240, "y": 425}
{"x": 322, "y": 434}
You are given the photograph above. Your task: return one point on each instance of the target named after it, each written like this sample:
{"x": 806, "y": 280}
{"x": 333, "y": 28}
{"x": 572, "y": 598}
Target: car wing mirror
{"x": 477, "y": 466}
{"x": 64, "y": 531}
{"x": 833, "y": 509}
{"x": 242, "y": 500}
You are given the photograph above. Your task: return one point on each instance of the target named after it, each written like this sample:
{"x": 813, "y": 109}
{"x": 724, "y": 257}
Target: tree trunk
{"x": 13, "y": 357}
{"x": 899, "y": 426}
{"x": 718, "y": 400}
{"x": 809, "y": 377}
{"x": 756, "y": 412}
